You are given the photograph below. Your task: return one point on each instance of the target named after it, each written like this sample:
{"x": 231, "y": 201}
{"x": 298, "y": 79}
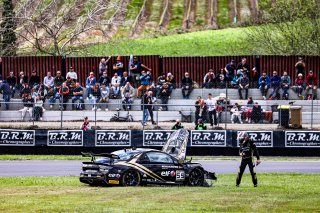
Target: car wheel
{"x": 131, "y": 178}
{"x": 196, "y": 177}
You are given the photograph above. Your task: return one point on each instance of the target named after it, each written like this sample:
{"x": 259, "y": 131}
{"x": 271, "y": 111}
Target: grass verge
{"x": 276, "y": 192}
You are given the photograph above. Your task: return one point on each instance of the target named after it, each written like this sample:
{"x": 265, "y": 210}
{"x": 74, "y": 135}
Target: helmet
{"x": 242, "y": 134}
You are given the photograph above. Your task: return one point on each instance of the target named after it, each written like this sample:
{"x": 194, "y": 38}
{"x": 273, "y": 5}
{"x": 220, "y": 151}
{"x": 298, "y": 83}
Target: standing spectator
{"x": 243, "y": 85}
{"x": 161, "y": 80}
{"x": 77, "y": 95}
{"x": 211, "y": 106}
{"x": 127, "y": 94}
{"x": 275, "y": 83}
{"x": 311, "y": 84}
{"x": 90, "y": 83}
{"x": 34, "y": 79}
{"x": 145, "y": 80}
{"x": 103, "y": 66}
{"x": 264, "y": 84}
{"x": 38, "y": 109}
{"x": 285, "y": 85}
{"x": 104, "y": 79}
{"x": 6, "y": 92}
{"x": 12, "y": 81}
{"x": 236, "y": 79}
{"x": 201, "y": 109}
{"x": 236, "y": 113}
{"x": 171, "y": 81}
{"x": 200, "y": 125}
{"x": 22, "y": 80}
{"x": 64, "y": 92}
{"x": 125, "y": 79}
{"x": 118, "y": 66}
{"x": 85, "y": 125}
{"x": 164, "y": 96}
{"x": 230, "y": 70}
{"x": 95, "y": 98}
{"x": 243, "y": 65}
{"x": 72, "y": 74}
{"x": 136, "y": 68}
{"x": 115, "y": 85}
{"x": 105, "y": 92}
{"x": 148, "y": 108}
{"x": 299, "y": 85}
{"x": 58, "y": 80}
{"x": 209, "y": 79}
{"x": 48, "y": 81}
{"x": 28, "y": 102}
{"x": 221, "y": 79}
{"x": 255, "y": 75}
{"x": 300, "y": 67}
{"x": 186, "y": 86}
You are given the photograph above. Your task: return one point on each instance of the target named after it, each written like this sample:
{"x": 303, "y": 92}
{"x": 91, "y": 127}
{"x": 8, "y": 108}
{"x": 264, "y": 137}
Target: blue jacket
{"x": 92, "y": 83}
{"x": 145, "y": 79}
{"x": 267, "y": 81}
{"x": 275, "y": 81}
{"x": 5, "y": 88}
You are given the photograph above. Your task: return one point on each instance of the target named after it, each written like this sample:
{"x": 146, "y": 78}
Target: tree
{"x": 7, "y": 30}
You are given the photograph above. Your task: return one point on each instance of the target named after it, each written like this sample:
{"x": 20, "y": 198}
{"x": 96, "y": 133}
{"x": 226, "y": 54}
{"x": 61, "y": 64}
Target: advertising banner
{"x": 113, "y": 138}
{"x": 65, "y": 138}
{"x": 211, "y": 138}
{"x": 156, "y": 137}
{"x": 302, "y": 139}
{"x": 13, "y": 137}
{"x": 260, "y": 138}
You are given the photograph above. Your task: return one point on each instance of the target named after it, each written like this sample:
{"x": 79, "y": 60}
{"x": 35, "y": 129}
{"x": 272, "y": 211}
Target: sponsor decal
{"x": 168, "y": 173}
{"x": 65, "y": 138}
{"x": 156, "y": 137}
{"x": 180, "y": 175}
{"x": 302, "y": 139}
{"x": 113, "y": 138}
{"x": 260, "y": 138}
{"x": 113, "y": 181}
{"x": 169, "y": 167}
{"x": 114, "y": 175}
{"x": 12, "y": 137}
{"x": 209, "y": 138}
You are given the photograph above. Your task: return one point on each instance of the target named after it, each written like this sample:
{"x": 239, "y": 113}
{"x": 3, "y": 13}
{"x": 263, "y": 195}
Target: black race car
{"x": 133, "y": 167}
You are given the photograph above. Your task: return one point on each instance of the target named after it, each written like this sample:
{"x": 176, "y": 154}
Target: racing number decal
{"x": 180, "y": 175}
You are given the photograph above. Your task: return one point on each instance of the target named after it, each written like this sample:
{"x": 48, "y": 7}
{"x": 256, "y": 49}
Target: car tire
{"x": 131, "y": 178}
{"x": 196, "y": 177}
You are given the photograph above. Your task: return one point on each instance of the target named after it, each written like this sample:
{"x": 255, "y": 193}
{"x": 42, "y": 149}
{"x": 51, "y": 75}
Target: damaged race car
{"x": 141, "y": 166}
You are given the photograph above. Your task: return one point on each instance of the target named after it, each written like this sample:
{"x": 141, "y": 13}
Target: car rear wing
{"x": 93, "y": 155}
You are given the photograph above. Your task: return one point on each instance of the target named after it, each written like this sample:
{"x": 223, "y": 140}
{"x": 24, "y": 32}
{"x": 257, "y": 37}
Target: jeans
{"x": 76, "y": 98}
{"x": 89, "y": 91}
{"x": 6, "y": 98}
{"x": 145, "y": 115}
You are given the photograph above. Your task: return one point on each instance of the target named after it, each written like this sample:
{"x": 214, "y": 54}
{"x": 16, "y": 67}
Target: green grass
{"x": 223, "y": 12}
{"x": 276, "y": 193}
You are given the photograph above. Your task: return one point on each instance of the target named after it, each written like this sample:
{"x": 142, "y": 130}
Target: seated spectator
{"x": 103, "y": 66}
{"x": 25, "y": 90}
{"x": 34, "y": 79}
{"x": 255, "y": 75}
{"x": 6, "y": 92}
{"x": 41, "y": 92}
{"x": 48, "y": 81}
{"x": 52, "y": 95}
{"x": 127, "y": 94}
{"x": 186, "y": 85}
{"x": 299, "y": 85}
{"x": 145, "y": 80}
{"x": 200, "y": 125}
{"x": 275, "y": 83}
{"x": 105, "y": 92}
{"x": 69, "y": 82}
{"x": 221, "y": 80}
{"x": 201, "y": 109}
{"x": 125, "y": 78}
{"x": 248, "y": 111}
{"x": 285, "y": 85}
{"x": 104, "y": 79}
{"x": 256, "y": 115}
{"x": 164, "y": 96}
{"x": 236, "y": 79}
{"x": 243, "y": 85}
{"x": 12, "y": 81}
{"x": 95, "y": 97}
{"x": 85, "y": 125}
{"x": 209, "y": 79}
{"x": 115, "y": 85}
{"x": 72, "y": 74}
{"x": 58, "y": 80}
{"x": 264, "y": 84}
{"x": 64, "y": 93}
{"x": 38, "y": 109}
{"x": 77, "y": 95}
{"x": 171, "y": 82}
{"x": 230, "y": 70}
{"x": 177, "y": 125}
{"x": 311, "y": 84}
{"x": 90, "y": 83}
{"x": 22, "y": 80}
{"x": 236, "y": 113}
{"x": 28, "y": 102}
{"x": 118, "y": 67}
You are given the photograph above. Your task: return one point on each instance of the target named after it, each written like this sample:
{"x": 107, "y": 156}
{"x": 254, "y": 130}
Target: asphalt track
{"x": 72, "y": 167}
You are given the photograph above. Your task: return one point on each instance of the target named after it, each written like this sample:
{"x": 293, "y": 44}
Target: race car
{"x": 142, "y": 166}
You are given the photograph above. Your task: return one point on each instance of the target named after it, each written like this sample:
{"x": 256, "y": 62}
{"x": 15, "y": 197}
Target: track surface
{"x": 72, "y": 167}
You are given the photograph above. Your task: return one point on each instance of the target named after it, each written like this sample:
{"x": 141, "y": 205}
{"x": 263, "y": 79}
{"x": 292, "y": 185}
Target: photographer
{"x": 300, "y": 67}
{"x": 264, "y": 84}
{"x": 177, "y": 125}
{"x": 118, "y": 67}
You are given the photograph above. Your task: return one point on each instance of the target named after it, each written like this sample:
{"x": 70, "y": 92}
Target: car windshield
{"x": 126, "y": 155}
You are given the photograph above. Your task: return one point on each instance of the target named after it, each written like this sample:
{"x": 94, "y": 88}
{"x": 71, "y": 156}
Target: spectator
{"x": 221, "y": 79}
{"x": 115, "y": 85}
{"x": 145, "y": 80}
{"x": 72, "y": 74}
{"x": 103, "y": 66}
{"x": 69, "y": 82}
{"x": 136, "y": 68}
{"x": 64, "y": 93}
{"x": 243, "y": 85}
{"x": 243, "y": 65}
{"x": 170, "y": 80}
{"x": 256, "y": 116}
{"x": 48, "y": 81}
{"x": 300, "y": 67}
{"x": 12, "y": 81}
{"x": 249, "y": 107}
{"x": 25, "y": 91}
{"x": 161, "y": 80}
{"x": 236, "y": 79}
{"x": 105, "y": 92}
{"x": 34, "y": 79}
{"x": 28, "y": 102}
{"x": 38, "y": 109}
{"x": 285, "y": 85}
{"x": 104, "y": 79}
{"x": 264, "y": 84}
{"x": 186, "y": 86}
{"x": 255, "y": 75}
{"x": 299, "y": 85}
{"x": 22, "y": 80}
{"x": 209, "y": 79}
{"x": 90, "y": 83}
{"x": 95, "y": 98}
{"x": 311, "y": 84}
{"x": 236, "y": 113}
{"x": 125, "y": 79}
{"x": 85, "y": 125}
{"x": 275, "y": 83}
{"x": 164, "y": 96}
{"x": 148, "y": 108}
{"x": 6, "y": 92}
{"x": 118, "y": 66}
{"x": 58, "y": 80}
{"x": 230, "y": 70}
{"x": 201, "y": 109}
{"x": 52, "y": 95}
{"x": 127, "y": 94}
{"x": 211, "y": 106}
{"x": 177, "y": 125}
{"x": 200, "y": 125}
{"x": 77, "y": 95}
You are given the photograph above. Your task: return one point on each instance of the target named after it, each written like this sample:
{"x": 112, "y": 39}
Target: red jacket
{"x": 299, "y": 82}
{"x": 312, "y": 80}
